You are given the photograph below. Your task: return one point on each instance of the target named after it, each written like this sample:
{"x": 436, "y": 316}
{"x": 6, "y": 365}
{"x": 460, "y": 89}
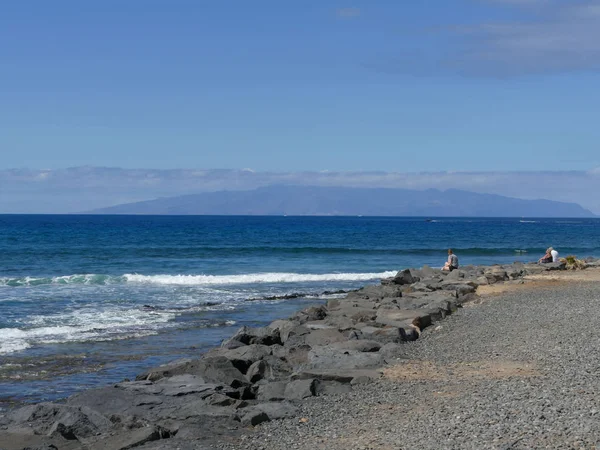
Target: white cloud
{"x": 84, "y": 188}
{"x": 595, "y": 171}
{"x": 546, "y": 36}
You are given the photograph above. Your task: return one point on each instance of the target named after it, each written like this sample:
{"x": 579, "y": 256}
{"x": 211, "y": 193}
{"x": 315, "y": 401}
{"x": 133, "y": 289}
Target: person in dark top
{"x": 452, "y": 262}
{"x": 547, "y": 258}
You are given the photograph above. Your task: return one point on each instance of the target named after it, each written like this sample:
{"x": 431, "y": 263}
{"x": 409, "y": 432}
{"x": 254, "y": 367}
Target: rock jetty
{"x": 259, "y": 374}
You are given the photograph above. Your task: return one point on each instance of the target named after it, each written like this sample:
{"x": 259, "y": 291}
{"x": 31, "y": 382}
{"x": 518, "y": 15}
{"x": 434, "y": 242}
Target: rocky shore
{"x": 260, "y": 374}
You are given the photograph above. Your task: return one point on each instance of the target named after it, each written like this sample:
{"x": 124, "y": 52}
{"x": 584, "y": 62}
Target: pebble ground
{"x": 519, "y": 371}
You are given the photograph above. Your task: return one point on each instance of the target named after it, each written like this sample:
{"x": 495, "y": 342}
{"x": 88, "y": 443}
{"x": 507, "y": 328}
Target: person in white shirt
{"x": 554, "y": 254}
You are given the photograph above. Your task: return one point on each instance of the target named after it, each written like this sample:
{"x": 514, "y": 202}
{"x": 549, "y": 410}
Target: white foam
{"x": 269, "y": 277}
{"x": 80, "y": 326}
{"x": 88, "y": 279}
{"x": 10, "y": 346}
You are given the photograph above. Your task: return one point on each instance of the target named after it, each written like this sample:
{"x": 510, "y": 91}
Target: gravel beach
{"x": 519, "y": 370}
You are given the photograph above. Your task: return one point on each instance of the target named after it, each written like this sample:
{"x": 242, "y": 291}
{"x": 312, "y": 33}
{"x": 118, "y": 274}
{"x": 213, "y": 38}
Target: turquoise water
{"x": 89, "y": 300}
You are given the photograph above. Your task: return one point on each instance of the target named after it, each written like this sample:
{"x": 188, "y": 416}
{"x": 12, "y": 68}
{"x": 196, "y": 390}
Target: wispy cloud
{"x": 552, "y": 37}
{"x": 86, "y": 188}
{"x": 347, "y": 13}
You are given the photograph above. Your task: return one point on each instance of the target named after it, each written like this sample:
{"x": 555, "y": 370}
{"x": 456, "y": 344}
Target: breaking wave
{"x": 194, "y": 280}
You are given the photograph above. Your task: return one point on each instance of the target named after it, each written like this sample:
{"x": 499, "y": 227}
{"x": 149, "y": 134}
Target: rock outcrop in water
{"x": 259, "y": 374}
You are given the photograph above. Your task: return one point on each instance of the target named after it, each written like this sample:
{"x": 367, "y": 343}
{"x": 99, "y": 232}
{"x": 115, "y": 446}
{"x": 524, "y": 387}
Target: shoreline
{"x": 259, "y": 375}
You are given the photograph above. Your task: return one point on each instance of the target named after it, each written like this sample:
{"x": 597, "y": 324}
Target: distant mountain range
{"x": 343, "y": 201}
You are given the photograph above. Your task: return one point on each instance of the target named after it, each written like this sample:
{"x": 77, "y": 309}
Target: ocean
{"x": 86, "y": 301}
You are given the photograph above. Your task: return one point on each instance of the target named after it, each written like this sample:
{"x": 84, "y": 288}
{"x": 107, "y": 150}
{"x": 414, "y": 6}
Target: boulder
{"x": 271, "y": 391}
{"x": 341, "y": 323}
{"x": 257, "y": 371}
{"x": 496, "y": 275}
{"x": 404, "y": 318}
{"x": 217, "y": 399}
{"x": 265, "y": 412}
{"x": 301, "y": 389}
{"x": 291, "y": 330}
{"x": 181, "y": 385}
{"x": 243, "y": 357}
{"x": 364, "y": 316}
{"x": 66, "y": 421}
{"x": 107, "y": 400}
{"x": 200, "y": 410}
{"x": 253, "y": 417}
{"x": 455, "y": 275}
{"x": 516, "y": 270}
{"x": 482, "y": 280}
{"x": 217, "y": 369}
{"x": 310, "y": 314}
{"x": 554, "y": 266}
{"x": 428, "y": 272}
{"x": 376, "y": 292}
{"x": 404, "y": 277}
{"x": 460, "y": 289}
{"x": 165, "y": 370}
{"x": 421, "y": 287}
{"x": 391, "y": 333}
{"x": 249, "y": 335}
{"x": 323, "y": 337}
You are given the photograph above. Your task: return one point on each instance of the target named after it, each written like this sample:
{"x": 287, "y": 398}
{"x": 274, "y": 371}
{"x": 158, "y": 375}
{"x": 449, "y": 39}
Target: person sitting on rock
{"x": 547, "y": 258}
{"x": 452, "y": 262}
{"x": 554, "y": 254}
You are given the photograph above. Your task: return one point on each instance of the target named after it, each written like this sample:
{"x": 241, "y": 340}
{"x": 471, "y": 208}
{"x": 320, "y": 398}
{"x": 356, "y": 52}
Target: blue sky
{"x": 402, "y": 86}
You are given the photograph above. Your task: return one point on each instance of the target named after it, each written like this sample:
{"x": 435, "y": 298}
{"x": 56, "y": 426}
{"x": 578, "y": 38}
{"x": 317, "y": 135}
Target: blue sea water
{"x": 89, "y": 300}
